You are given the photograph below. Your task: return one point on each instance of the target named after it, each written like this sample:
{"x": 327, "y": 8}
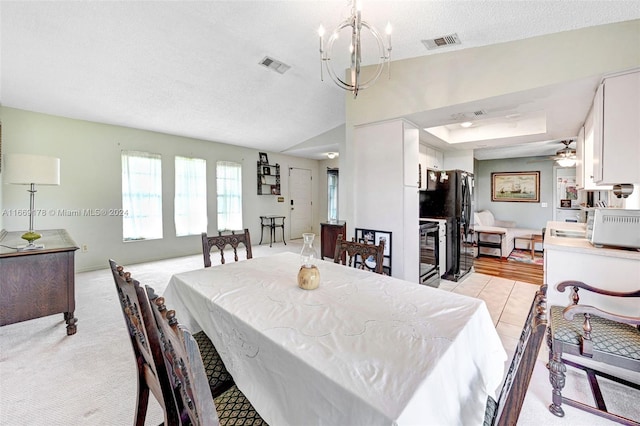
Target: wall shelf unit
{"x": 268, "y": 179}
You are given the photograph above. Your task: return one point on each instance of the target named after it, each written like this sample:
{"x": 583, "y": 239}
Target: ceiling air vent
{"x": 274, "y": 65}
{"x": 469, "y": 115}
{"x": 436, "y": 43}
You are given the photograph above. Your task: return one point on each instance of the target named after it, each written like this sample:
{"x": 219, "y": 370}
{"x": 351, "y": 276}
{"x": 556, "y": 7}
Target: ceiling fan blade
{"x": 541, "y": 160}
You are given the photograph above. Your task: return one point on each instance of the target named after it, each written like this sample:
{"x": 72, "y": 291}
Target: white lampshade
{"x": 25, "y": 169}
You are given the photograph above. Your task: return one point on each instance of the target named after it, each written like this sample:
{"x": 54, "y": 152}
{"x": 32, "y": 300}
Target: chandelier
{"x": 356, "y": 24}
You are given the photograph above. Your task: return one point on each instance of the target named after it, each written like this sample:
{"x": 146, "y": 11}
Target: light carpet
{"x": 49, "y": 378}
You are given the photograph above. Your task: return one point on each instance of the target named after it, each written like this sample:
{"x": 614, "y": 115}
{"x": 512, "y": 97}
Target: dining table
{"x": 361, "y": 349}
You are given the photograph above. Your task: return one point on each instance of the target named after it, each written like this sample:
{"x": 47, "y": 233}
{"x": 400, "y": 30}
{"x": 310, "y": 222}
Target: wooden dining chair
{"x": 600, "y": 337}
{"x": 361, "y": 255}
{"x": 189, "y": 381}
{"x": 221, "y": 242}
{"x": 506, "y": 410}
{"x": 152, "y": 373}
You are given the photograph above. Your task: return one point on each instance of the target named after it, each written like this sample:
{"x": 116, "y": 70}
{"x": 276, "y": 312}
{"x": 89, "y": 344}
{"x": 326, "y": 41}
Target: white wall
{"x": 386, "y": 191}
{"x": 91, "y": 179}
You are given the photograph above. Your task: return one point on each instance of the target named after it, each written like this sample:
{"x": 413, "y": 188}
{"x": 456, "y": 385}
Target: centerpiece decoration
{"x": 308, "y": 275}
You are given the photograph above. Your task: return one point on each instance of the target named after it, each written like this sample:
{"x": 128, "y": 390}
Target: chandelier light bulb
{"x": 321, "y": 31}
{"x": 388, "y": 29}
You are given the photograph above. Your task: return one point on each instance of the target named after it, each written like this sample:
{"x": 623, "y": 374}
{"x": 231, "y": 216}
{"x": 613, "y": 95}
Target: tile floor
{"x": 508, "y": 302}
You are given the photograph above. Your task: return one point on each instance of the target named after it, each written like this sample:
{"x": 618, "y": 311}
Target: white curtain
{"x": 190, "y": 203}
{"x": 141, "y": 195}
{"x": 229, "y": 186}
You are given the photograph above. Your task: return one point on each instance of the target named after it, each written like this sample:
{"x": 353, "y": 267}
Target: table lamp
{"x": 27, "y": 169}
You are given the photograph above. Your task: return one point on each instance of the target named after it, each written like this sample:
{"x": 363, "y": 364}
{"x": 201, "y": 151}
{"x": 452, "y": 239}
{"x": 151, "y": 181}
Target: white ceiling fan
{"x": 565, "y": 157}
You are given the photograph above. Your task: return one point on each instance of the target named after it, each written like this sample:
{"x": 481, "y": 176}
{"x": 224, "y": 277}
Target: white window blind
{"x": 190, "y": 202}
{"x": 229, "y": 186}
{"x": 141, "y": 195}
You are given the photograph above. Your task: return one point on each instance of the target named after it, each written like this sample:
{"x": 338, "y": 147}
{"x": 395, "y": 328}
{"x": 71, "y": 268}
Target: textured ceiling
{"x": 191, "y": 68}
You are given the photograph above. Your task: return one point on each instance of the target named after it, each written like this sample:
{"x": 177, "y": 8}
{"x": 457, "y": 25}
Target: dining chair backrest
{"x": 188, "y": 379}
{"x": 364, "y": 256}
{"x": 152, "y": 374}
{"x": 507, "y": 409}
{"x": 222, "y": 241}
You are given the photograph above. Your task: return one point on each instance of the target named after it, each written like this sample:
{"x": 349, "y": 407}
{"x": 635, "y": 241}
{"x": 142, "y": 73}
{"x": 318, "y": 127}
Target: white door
{"x": 300, "y": 202}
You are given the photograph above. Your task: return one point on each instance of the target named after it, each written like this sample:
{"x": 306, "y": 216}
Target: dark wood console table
{"x": 37, "y": 283}
{"x": 329, "y": 232}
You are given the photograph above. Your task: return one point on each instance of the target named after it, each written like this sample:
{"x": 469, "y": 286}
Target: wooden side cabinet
{"x": 37, "y": 283}
{"x": 329, "y": 232}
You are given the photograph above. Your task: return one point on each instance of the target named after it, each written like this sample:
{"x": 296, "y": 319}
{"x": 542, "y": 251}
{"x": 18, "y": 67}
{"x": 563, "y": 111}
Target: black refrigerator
{"x": 450, "y": 196}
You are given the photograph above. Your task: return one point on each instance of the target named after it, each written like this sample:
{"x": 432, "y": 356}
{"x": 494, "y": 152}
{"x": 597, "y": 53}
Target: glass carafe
{"x": 308, "y": 275}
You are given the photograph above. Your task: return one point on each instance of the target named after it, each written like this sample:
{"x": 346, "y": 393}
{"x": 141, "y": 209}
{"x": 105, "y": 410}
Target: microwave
{"x": 614, "y": 227}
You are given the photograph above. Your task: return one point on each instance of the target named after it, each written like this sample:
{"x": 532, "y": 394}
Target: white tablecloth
{"x": 363, "y": 348}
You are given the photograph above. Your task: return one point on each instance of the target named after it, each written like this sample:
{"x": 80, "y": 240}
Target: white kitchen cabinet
{"x": 422, "y": 160}
{"x": 584, "y": 154}
{"x": 429, "y": 159}
{"x": 616, "y": 112}
{"x": 435, "y": 159}
{"x": 580, "y": 170}
{"x": 439, "y": 163}
{"x": 410, "y": 146}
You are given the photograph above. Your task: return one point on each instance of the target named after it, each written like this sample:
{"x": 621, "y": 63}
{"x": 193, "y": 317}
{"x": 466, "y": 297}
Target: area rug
{"x": 519, "y": 255}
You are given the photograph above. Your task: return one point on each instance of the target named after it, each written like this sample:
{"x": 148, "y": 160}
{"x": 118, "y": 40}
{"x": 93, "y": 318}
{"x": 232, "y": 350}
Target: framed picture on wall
{"x": 515, "y": 187}
{"x": 372, "y": 236}
{"x": 263, "y": 158}
{"x": 386, "y": 237}
{"x": 266, "y": 170}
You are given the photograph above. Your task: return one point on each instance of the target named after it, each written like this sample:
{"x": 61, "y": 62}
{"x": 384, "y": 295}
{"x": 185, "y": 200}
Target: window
{"x": 332, "y": 194}
{"x": 190, "y": 203}
{"x": 141, "y": 195}
{"x": 229, "y": 184}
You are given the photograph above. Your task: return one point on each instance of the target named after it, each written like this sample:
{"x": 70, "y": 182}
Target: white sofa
{"x": 484, "y": 221}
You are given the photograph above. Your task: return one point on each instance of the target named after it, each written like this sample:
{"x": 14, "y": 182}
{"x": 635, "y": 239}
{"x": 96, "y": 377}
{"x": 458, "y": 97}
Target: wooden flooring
{"x": 509, "y": 269}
